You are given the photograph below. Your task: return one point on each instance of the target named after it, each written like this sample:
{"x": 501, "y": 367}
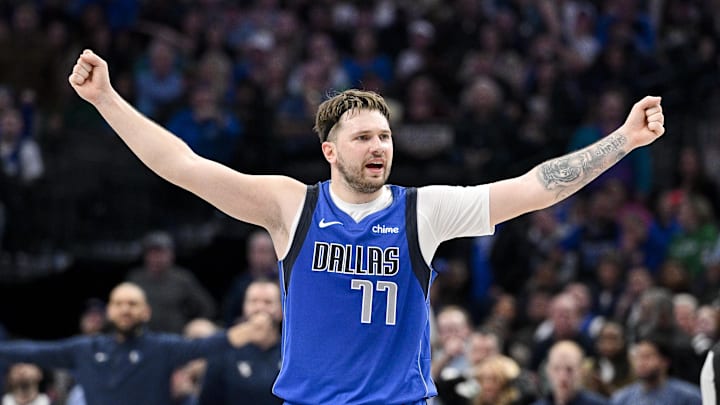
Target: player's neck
{"x": 350, "y": 196}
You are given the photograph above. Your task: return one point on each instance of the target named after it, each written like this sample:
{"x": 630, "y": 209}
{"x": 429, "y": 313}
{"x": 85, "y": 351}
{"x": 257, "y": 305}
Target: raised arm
{"x": 57, "y": 354}
{"x": 556, "y": 179}
{"x": 267, "y": 201}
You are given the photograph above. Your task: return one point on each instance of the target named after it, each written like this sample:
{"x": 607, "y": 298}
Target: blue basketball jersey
{"x": 356, "y": 308}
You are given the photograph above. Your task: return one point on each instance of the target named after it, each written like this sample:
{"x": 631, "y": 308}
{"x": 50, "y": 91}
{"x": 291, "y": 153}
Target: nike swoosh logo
{"x": 323, "y": 224}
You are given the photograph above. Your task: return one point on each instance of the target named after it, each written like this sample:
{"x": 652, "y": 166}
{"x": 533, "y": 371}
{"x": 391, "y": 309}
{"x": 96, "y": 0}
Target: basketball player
{"x": 355, "y": 252}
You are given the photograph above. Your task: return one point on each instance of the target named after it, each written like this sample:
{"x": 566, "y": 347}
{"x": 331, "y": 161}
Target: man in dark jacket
{"x": 129, "y": 365}
{"x": 248, "y": 372}
{"x": 175, "y": 295}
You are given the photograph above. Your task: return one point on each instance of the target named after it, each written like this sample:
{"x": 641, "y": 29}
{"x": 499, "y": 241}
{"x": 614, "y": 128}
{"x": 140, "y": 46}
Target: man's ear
{"x": 328, "y": 149}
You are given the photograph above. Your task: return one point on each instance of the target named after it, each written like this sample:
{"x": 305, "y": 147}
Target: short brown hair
{"x": 330, "y": 110}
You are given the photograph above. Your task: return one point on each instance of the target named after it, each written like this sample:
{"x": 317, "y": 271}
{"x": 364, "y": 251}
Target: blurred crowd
{"x": 480, "y": 90}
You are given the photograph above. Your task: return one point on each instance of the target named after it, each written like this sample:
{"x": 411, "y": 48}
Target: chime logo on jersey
{"x": 357, "y": 259}
{"x": 385, "y": 229}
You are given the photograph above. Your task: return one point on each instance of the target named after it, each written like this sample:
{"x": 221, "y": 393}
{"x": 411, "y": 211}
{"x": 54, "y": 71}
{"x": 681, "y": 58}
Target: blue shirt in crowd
{"x": 673, "y": 392}
{"x": 136, "y": 371}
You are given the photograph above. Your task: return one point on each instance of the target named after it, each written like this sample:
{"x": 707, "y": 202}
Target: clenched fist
{"x": 90, "y": 78}
{"x": 646, "y": 122}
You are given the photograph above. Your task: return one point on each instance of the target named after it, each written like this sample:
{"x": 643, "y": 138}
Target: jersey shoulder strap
{"x": 311, "y": 199}
{"x": 420, "y": 268}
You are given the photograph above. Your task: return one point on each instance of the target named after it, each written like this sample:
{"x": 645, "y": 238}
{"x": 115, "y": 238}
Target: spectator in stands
{"x": 663, "y": 228}
{"x": 656, "y": 316}
{"x": 294, "y": 114}
{"x": 674, "y": 277}
{"x": 707, "y": 287}
{"x": 174, "y": 294}
{"x": 261, "y": 264}
{"x": 248, "y": 372}
{"x": 563, "y": 323}
{"x": 130, "y": 364}
{"x": 418, "y": 56}
{"x": 455, "y": 388}
{"x": 590, "y": 323}
{"x": 564, "y": 373}
{"x": 539, "y": 237}
{"x": 608, "y": 286}
{"x": 496, "y": 376}
{"x": 685, "y": 308}
{"x": 21, "y": 165}
{"x": 637, "y": 282}
{"x": 92, "y": 323}
{"x": 597, "y": 235}
{"x": 650, "y": 358}
{"x": 706, "y": 329}
{"x": 578, "y": 30}
{"x": 24, "y": 38}
{"x": 321, "y": 48}
{"x": 160, "y": 83}
{"x": 697, "y": 237}
{"x": 425, "y": 139}
{"x": 628, "y": 23}
{"x": 207, "y": 126}
{"x": 92, "y": 320}
{"x": 23, "y": 386}
{"x": 366, "y": 59}
{"x": 636, "y": 246}
{"x": 214, "y": 71}
{"x": 483, "y": 130}
{"x": 692, "y": 177}
{"x": 454, "y": 328}
{"x": 187, "y": 380}
{"x": 20, "y": 155}
{"x": 536, "y": 310}
{"x": 502, "y": 317}
{"x": 482, "y": 345}
{"x": 609, "y": 370}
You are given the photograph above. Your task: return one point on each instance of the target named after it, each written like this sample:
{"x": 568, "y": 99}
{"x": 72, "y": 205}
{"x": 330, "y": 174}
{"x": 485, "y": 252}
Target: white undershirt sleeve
{"x": 448, "y": 212}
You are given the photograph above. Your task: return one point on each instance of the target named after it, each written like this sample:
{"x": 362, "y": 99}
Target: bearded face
{"x": 364, "y": 177}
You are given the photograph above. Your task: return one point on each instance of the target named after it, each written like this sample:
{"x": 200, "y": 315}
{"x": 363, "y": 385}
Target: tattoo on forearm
{"x": 569, "y": 173}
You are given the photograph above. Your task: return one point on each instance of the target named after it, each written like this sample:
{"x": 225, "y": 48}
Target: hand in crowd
{"x": 258, "y": 329}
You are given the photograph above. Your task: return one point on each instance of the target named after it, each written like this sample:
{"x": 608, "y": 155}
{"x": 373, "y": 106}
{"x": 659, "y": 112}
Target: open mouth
{"x": 375, "y": 162}
{"x": 375, "y": 168}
